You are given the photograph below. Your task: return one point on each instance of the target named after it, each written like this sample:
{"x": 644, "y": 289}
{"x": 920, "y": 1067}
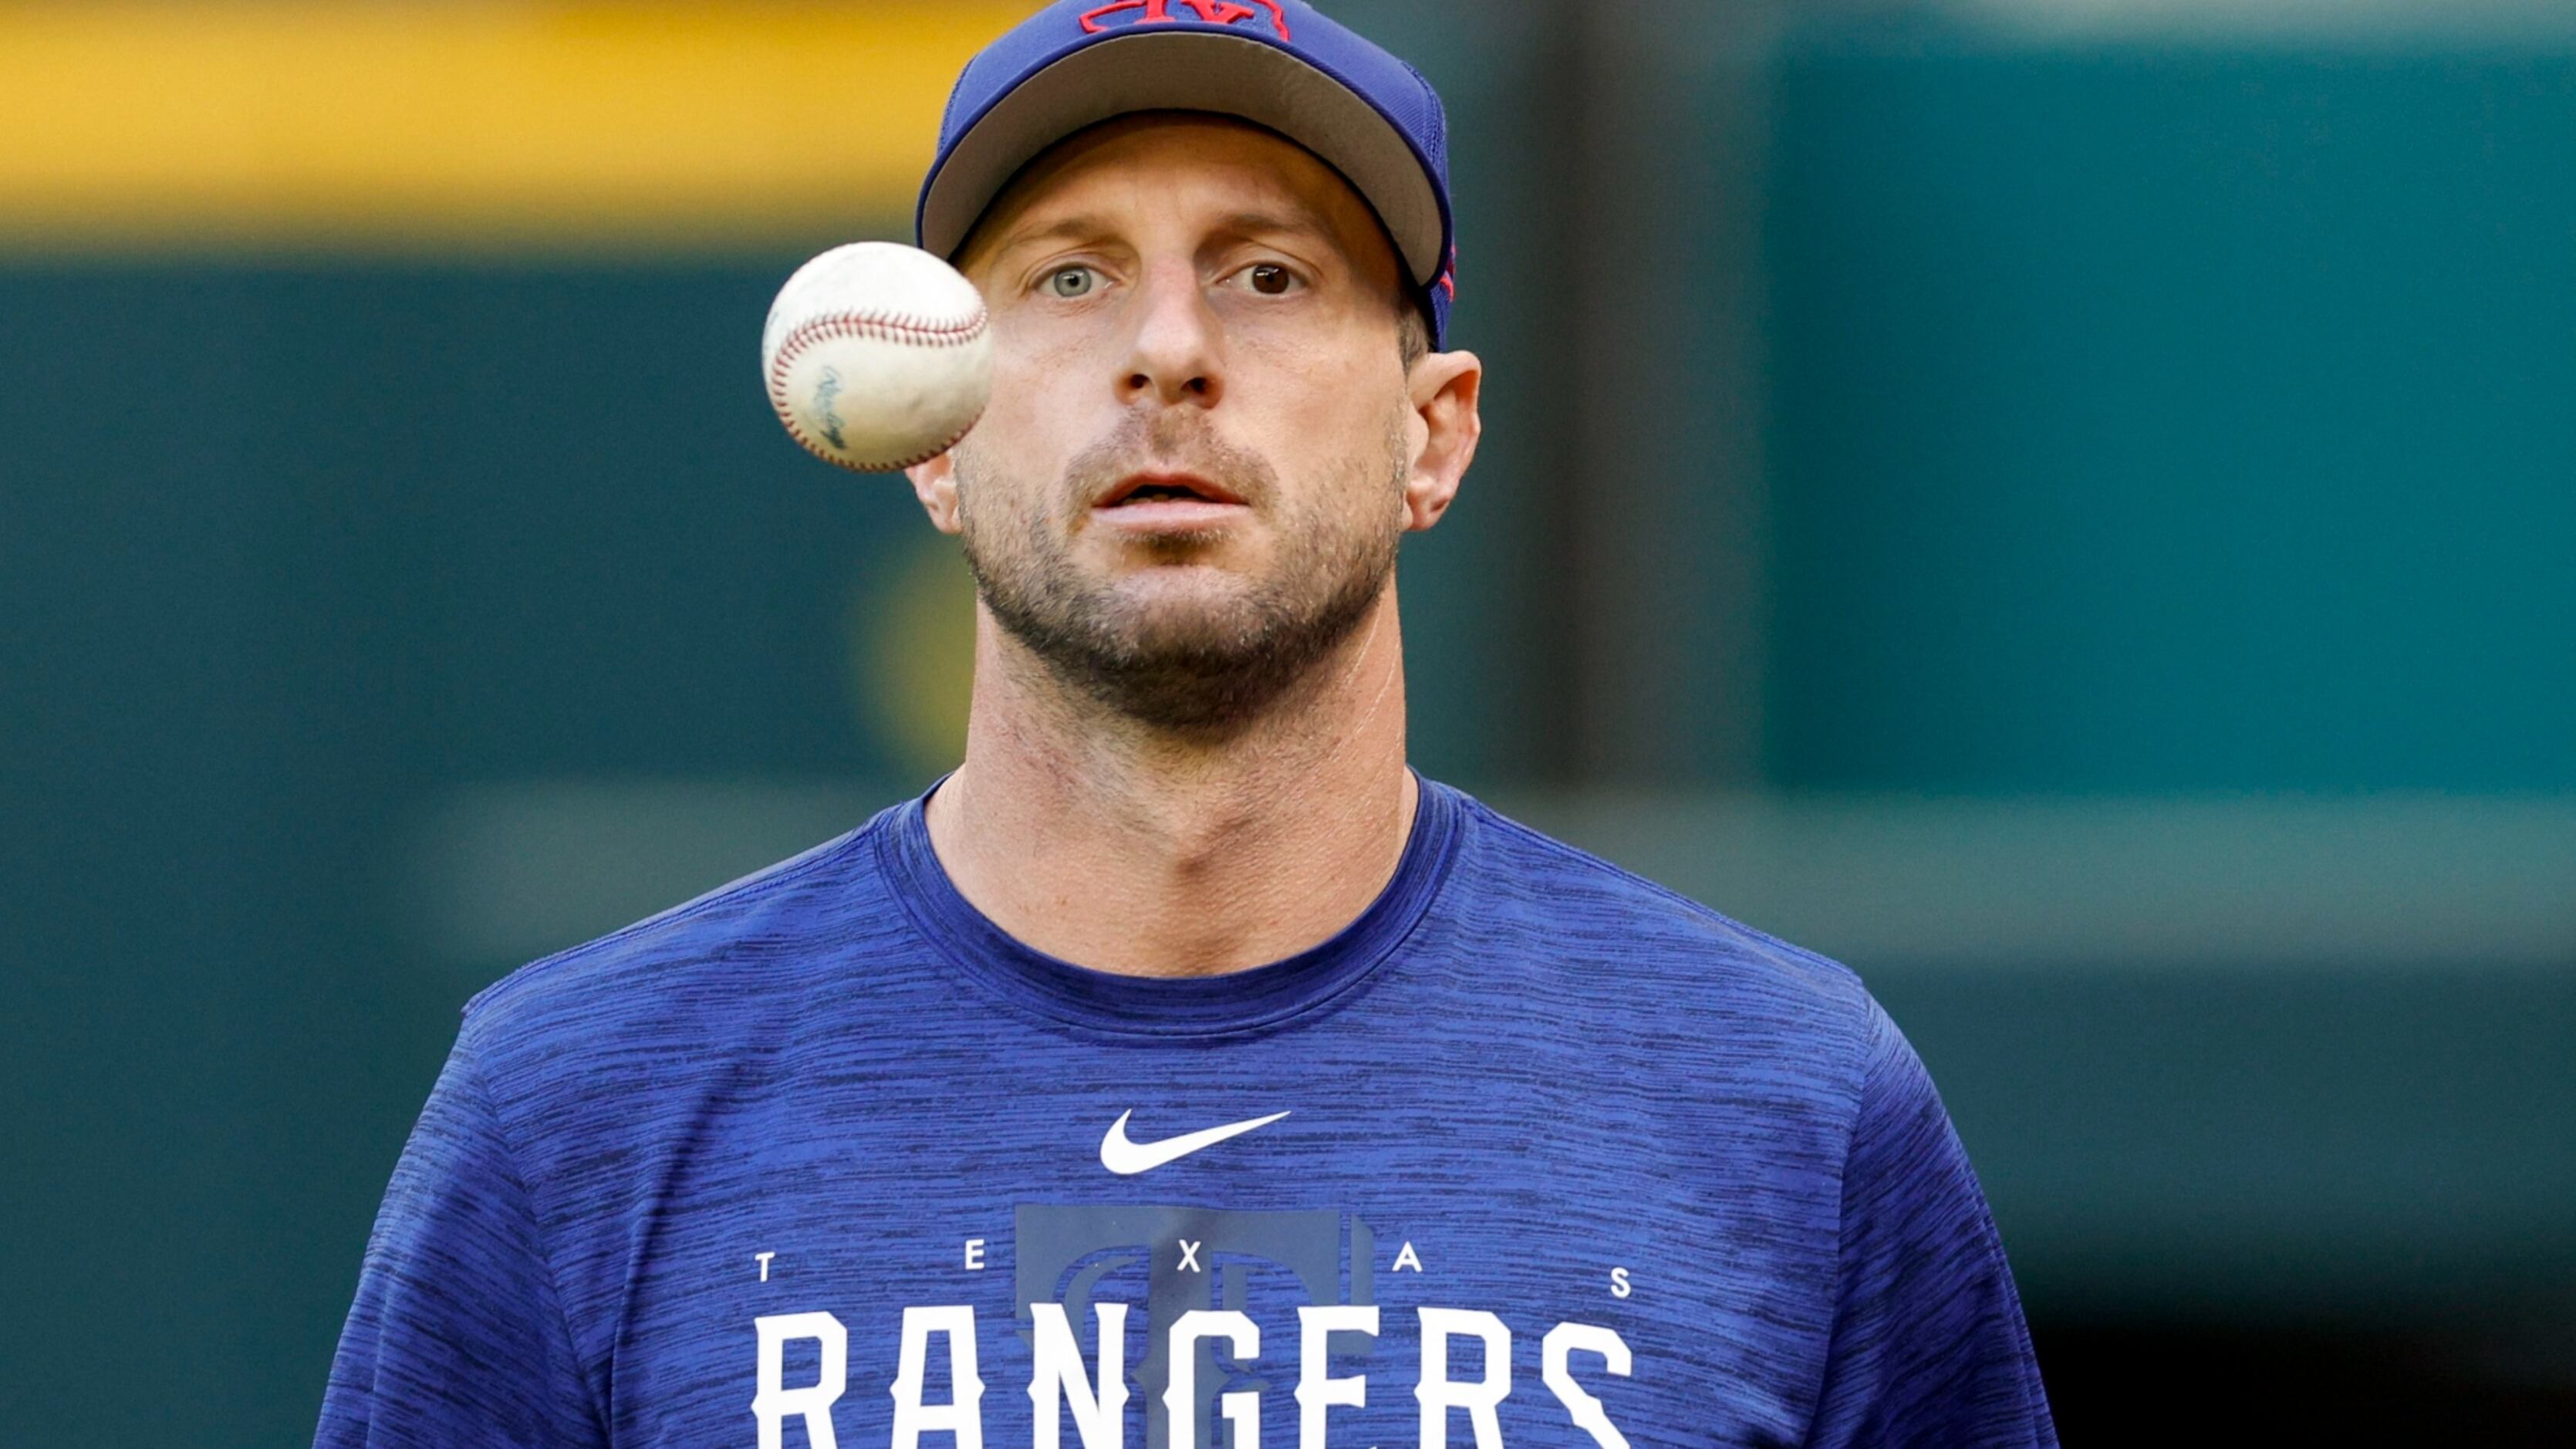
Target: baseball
{"x": 876, "y": 356}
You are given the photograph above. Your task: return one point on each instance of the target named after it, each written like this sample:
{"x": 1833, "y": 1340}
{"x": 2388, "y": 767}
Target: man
{"x": 1183, "y": 1065}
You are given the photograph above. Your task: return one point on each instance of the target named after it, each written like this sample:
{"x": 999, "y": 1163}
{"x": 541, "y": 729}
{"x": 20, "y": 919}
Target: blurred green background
{"x": 2066, "y": 507}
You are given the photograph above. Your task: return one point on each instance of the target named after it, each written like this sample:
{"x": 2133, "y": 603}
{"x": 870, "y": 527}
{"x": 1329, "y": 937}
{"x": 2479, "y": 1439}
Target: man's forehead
{"x": 1235, "y": 175}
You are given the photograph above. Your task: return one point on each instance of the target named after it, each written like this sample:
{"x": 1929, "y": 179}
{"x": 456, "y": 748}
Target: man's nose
{"x": 1176, "y": 353}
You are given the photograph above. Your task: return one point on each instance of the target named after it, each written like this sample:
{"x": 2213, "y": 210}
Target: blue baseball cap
{"x": 1280, "y": 64}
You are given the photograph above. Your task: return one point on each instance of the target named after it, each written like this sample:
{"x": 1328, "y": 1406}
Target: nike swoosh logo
{"x": 1129, "y": 1158}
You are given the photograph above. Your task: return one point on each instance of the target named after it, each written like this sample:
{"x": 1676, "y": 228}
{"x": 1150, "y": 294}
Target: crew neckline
{"x": 1232, "y": 1001}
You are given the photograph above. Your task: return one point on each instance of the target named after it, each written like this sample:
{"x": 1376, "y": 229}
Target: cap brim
{"x": 1188, "y": 70}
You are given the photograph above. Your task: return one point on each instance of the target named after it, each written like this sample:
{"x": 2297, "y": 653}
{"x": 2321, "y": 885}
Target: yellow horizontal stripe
{"x": 426, "y": 124}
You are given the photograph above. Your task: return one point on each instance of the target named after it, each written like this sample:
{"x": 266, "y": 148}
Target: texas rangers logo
{"x": 1212, "y": 12}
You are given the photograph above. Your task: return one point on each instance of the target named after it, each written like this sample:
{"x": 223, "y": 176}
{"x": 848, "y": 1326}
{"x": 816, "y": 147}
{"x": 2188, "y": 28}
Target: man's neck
{"x": 1124, "y": 849}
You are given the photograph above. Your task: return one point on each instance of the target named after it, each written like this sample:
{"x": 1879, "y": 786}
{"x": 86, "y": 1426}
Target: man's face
{"x": 1189, "y": 484}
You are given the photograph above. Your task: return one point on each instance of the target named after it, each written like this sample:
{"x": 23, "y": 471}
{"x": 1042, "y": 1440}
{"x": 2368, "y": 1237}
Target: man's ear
{"x": 1443, "y": 430}
{"x": 935, "y": 484}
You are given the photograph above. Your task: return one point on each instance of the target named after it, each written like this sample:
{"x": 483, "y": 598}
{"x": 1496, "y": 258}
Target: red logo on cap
{"x": 1213, "y": 12}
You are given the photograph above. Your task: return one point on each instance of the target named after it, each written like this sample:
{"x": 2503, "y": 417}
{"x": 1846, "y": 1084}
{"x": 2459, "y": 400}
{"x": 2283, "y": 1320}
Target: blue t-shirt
{"x": 1533, "y": 1152}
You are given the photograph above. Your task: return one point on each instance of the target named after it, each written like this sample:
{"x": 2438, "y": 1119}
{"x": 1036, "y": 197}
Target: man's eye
{"x": 1071, "y": 281}
{"x": 1270, "y": 279}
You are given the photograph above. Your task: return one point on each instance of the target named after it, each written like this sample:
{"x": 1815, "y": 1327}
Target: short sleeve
{"x": 457, "y": 1336}
{"x": 1929, "y": 1344}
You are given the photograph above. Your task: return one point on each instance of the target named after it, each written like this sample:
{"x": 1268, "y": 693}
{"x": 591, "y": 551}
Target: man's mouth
{"x": 1139, "y": 488}
{"x": 1161, "y": 502}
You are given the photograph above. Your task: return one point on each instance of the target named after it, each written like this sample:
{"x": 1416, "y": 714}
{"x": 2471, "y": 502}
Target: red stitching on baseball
{"x": 901, "y": 327}
{"x": 885, "y": 327}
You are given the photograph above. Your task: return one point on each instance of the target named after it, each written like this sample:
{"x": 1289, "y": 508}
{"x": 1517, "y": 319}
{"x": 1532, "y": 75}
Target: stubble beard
{"x": 1212, "y": 663}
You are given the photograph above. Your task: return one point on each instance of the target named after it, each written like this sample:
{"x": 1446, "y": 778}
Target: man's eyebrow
{"x": 1247, "y": 223}
{"x": 1071, "y": 228}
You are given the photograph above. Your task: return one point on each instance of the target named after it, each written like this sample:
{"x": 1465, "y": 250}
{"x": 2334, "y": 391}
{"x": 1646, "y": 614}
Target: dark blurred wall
{"x": 290, "y": 549}
{"x": 2194, "y": 420}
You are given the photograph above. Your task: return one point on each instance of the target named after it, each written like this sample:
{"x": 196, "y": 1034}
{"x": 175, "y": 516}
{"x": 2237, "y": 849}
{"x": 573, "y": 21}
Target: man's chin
{"x": 1196, "y": 645}
{"x": 1166, "y": 615}
{"x": 1194, "y": 584}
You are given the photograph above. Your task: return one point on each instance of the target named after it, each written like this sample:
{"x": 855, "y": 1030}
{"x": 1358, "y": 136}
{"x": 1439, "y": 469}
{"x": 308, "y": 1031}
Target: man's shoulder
{"x": 1605, "y": 916}
{"x": 745, "y": 937}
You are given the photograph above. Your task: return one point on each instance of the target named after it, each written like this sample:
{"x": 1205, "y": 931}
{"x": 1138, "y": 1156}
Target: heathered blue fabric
{"x": 1523, "y": 1084}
